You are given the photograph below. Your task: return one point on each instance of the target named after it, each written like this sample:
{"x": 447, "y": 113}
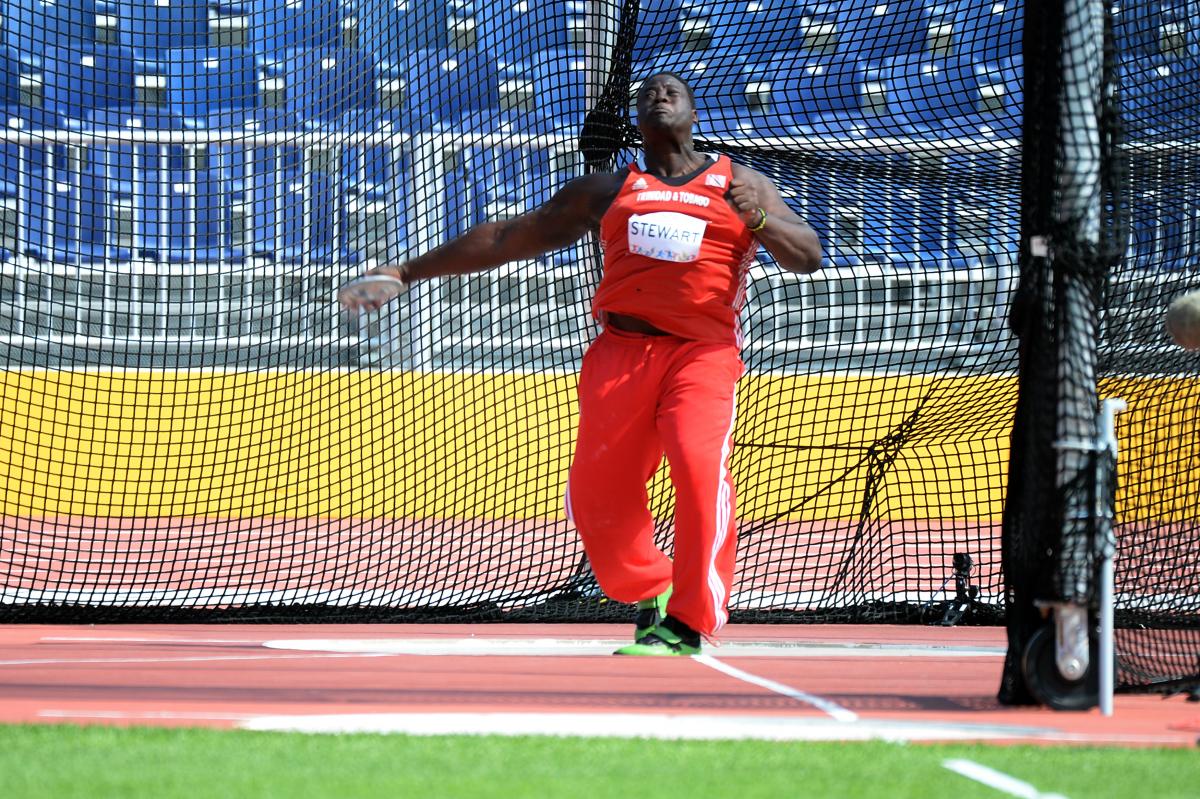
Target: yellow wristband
{"x": 762, "y": 222}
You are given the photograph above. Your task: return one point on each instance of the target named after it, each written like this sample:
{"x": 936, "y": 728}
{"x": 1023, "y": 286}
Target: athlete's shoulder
{"x": 592, "y": 194}
{"x": 599, "y": 182}
{"x": 743, "y": 171}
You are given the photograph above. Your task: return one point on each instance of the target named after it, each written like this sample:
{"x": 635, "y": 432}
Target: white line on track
{"x": 666, "y": 726}
{"x": 998, "y": 779}
{"x": 100, "y": 639}
{"x": 541, "y": 647}
{"x": 833, "y": 709}
{"x": 147, "y": 715}
{"x": 187, "y": 659}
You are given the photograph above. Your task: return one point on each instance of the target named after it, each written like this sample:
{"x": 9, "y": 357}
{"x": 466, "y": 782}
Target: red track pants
{"x": 641, "y": 397}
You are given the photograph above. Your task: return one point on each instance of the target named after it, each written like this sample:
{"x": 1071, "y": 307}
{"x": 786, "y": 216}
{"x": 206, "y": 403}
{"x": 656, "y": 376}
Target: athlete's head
{"x": 665, "y": 102}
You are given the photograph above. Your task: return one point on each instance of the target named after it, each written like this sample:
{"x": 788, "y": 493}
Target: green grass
{"x": 96, "y": 761}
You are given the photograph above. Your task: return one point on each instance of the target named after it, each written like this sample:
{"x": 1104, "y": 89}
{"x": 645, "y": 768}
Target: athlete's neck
{"x": 673, "y": 162}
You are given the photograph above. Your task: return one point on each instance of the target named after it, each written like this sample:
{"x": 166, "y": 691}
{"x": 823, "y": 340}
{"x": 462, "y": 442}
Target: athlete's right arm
{"x": 562, "y": 220}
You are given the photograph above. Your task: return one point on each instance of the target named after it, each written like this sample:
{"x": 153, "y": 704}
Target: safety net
{"x": 193, "y": 429}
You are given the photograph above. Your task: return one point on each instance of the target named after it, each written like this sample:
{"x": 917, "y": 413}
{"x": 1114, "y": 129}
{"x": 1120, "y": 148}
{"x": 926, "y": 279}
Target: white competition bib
{"x": 666, "y": 236}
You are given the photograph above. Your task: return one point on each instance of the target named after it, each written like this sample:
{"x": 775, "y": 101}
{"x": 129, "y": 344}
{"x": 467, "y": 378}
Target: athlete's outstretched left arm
{"x": 785, "y": 235}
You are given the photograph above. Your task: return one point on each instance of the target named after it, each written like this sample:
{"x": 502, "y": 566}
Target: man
{"x": 678, "y": 230}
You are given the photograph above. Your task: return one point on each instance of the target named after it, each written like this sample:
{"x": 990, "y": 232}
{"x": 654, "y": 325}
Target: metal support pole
{"x": 1107, "y": 543}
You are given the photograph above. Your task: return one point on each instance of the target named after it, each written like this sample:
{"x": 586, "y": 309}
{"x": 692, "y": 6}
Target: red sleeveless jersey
{"x": 676, "y": 255}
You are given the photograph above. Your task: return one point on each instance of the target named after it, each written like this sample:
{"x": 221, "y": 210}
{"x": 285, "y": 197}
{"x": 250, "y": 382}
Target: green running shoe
{"x": 649, "y": 613}
{"x": 661, "y": 641}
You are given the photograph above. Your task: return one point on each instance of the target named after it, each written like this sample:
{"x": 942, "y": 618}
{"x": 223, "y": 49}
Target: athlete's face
{"x": 663, "y": 104}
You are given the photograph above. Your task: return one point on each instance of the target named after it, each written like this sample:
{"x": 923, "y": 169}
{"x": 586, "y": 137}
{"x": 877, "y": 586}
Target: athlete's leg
{"x": 695, "y": 420}
{"x": 617, "y": 451}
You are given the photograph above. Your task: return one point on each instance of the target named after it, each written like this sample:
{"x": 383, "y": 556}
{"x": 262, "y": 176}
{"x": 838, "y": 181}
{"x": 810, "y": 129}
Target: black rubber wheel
{"x": 1048, "y": 685}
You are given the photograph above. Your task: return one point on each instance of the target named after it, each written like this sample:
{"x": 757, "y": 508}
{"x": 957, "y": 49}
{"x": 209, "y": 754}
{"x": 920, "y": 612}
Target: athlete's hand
{"x": 744, "y": 198}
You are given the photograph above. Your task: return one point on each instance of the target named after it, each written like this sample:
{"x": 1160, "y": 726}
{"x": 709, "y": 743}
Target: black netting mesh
{"x": 193, "y": 429}
{"x": 1158, "y": 582}
{"x": 1097, "y": 277}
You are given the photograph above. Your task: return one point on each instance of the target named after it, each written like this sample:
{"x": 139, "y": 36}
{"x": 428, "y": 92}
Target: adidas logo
{"x": 639, "y": 184}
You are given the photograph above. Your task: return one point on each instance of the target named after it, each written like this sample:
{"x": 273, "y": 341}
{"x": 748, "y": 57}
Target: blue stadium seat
{"x": 1164, "y": 227}
{"x": 512, "y": 30}
{"x": 245, "y": 167}
{"x": 694, "y": 26}
{"x": 1158, "y": 96}
{"x": 988, "y": 31}
{"x": 10, "y": 77}
{"x": 658, "y": 29}
{"x": 825, "y": 96}
{"x": 25, "y": 170}
{"x": 801, "y": 25}
{"x": 751, "y": 29}
{"x": 391, "y": 30}
{"x": 876, "y": 31}
{"x": 58, "y": 207}
{"x": 287, "y": 195}
{"x": 277, "y": 26}
{"x": 373, "y": 185}
{"x": 311, "y": 212}
{"x": 1156, "y": 27}
{"x": 983, "y": 203}
{"x": 152, "y": 27}
{"x": 452, "y": 89}
{"x": 930, "y": 95}
{"x": 81, "y": 79}
{"x": 32, "y": 25}
{"x": 322, "y": 85}
{"x": 917, "y": 221}
{"x": 488, "y": 183}
{"x": 545, "y": 94}
{"x": 999, "y": 87}
{"x": 174, "y": 201}
{"x": 204, "y": 81}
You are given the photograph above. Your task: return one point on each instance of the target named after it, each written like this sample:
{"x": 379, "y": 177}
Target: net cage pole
{"x": 1060, "y": 662}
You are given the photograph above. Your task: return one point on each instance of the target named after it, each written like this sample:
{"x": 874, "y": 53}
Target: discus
{"x": 369, "y": 292}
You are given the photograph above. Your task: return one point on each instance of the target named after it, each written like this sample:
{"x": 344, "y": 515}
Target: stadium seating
{"x": 83, "y": 78}
{"x": 988, "y": 32}
{"x": 152, "y": 27}
{"x": 374, "y": 185}
{"x": 162, "y": 201}
{"x": 1158, "y": 96}
{"x": 916, "y": 217}
{"x": 512, "y": 30}
{"x": 658, "y": 22}
{"x": 823, "y": 96}
{"x": 60, "y": 207}
{"x": 205, "y": 81}
{"x": 875, "y": 32}
{"x": 748, "y": 28}
{"x": 933, "y": 96}
{"x": 277, "y": 26}
{"x": 10, "y": 77}
{"x": 391, "y": 30}
{"x": 321, "y": 85}
{"x": 450, "y": 88}
{"x": 546, "y": 93}
{"x": 498, "y": 67}
{"x": 32, "y": 25}
{"x": 23, "y": 181}
{"x": 999, "y": 98}
{"x": 1166, "y": 28}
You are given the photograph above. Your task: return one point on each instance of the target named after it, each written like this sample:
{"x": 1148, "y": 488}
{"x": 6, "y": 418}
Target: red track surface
{"x": 218, "y": 675}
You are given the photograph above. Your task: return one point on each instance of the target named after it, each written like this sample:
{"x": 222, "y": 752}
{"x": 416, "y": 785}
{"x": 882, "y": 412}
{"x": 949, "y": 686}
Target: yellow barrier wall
{"x": 407, "y": 444}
